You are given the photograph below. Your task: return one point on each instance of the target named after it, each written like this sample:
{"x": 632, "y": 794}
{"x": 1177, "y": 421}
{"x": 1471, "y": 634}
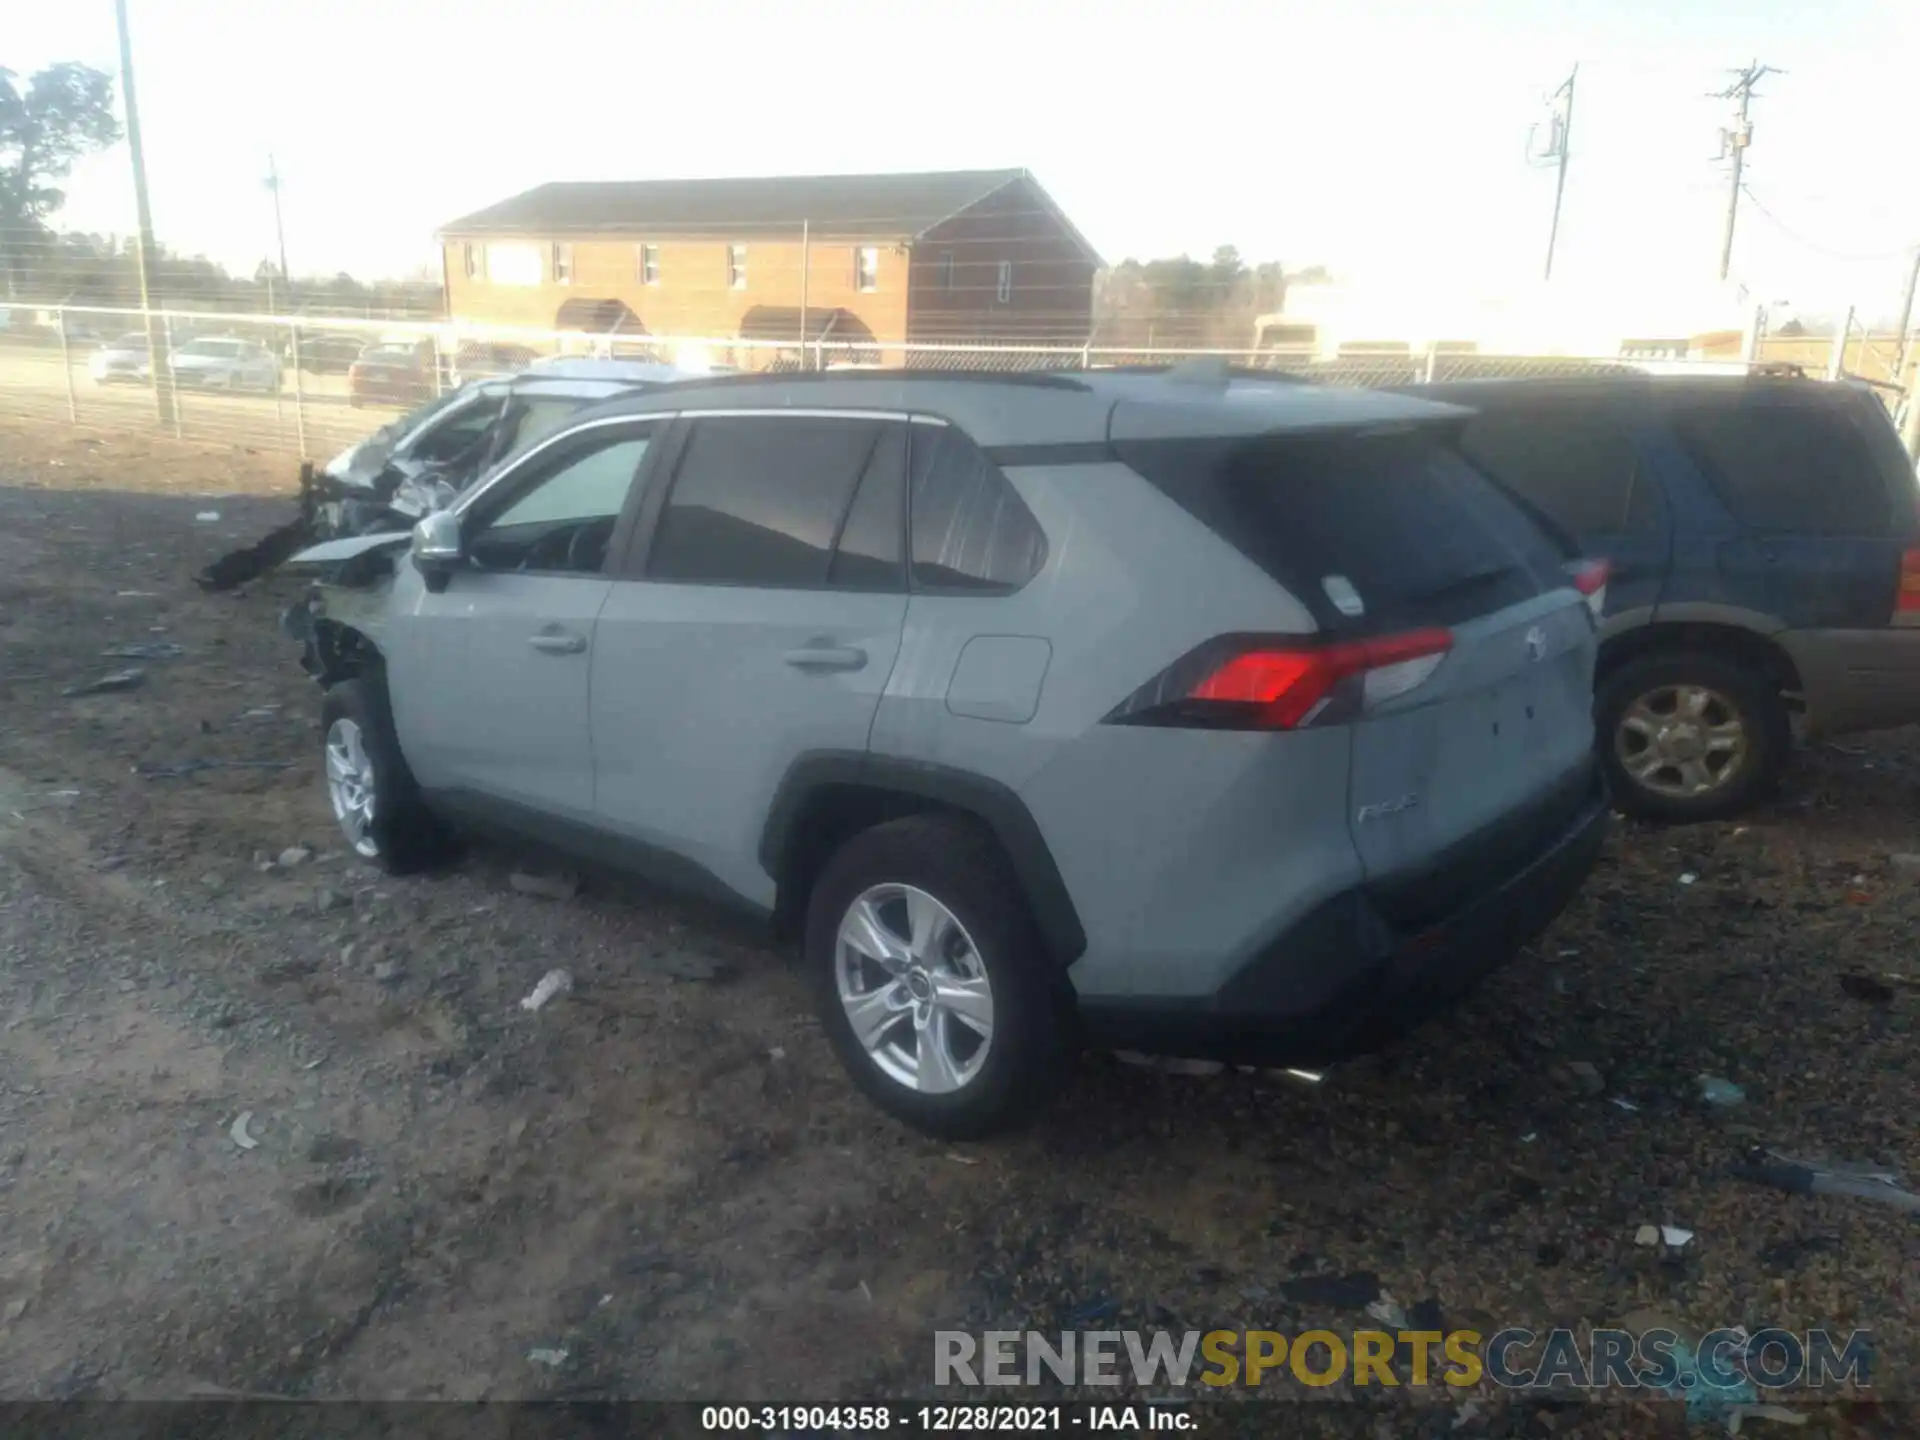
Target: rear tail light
{"x": 1253, "y": 684}
{"x": 1590, "y": 579}
{"x": 1906, "y": 601}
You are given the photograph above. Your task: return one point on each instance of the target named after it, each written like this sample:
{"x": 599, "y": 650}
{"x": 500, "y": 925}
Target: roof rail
{"x": 1040, "y": 379}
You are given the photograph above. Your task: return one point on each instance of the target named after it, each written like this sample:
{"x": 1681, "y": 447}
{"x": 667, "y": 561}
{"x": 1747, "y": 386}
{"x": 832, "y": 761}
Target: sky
{"x": 1381, "y": 138}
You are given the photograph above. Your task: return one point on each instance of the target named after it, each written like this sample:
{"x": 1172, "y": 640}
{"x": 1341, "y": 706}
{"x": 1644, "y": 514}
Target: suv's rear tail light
{"x": 1590, "y": 579}
{"x": 1252, "y": 684}
{"x": 1906, "y": 601}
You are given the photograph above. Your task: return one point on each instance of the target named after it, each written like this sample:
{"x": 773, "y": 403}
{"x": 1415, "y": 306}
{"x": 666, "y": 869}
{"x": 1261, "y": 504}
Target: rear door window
{"x": 1788, "y": 463}
{"x": 764, "y": 500}
{"x": 1371, "y": 530}
{"x": 1577, "y": 466}
{"x": 971, "y": 531}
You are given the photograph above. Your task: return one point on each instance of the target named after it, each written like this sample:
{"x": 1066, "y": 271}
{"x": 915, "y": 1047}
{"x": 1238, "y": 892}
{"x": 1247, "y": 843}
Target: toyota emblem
{"x": 1536, "y": 644}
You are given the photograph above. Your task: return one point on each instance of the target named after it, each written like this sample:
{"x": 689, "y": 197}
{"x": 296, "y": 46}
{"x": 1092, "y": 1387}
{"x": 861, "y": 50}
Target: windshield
{"x": 389, "y": 354}
{"x": 539, "y": 419}
{"x": 223, "y": 349}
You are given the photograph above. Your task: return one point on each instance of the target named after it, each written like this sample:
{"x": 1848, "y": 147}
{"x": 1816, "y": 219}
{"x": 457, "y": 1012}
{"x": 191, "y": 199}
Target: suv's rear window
{"x": 1783, "y": 462}
{"x": 1400, "y": 517}
{"x": 1576, "y": 465}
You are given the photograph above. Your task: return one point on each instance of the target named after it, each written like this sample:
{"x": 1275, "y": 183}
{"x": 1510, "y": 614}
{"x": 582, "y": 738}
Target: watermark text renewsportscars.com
{"x": 1659, "y": 1360}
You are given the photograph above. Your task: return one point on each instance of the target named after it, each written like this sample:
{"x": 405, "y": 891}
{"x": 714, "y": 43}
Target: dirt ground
{"x": 664, "y": 1175}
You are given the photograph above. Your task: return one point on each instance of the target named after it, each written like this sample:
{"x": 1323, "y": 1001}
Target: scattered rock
{"x": 1588, "y": 1075}
{"x": 1647, "y": 1235}
{"x": 1339, "y": 1292}
{"x": 1718, "y": 1092}
{"x": 15, "y": 1309}
{"x": 325, "y": 899}
{"x": 546, "y": 887}
{"x": 386, "y": 972}
{"x": 554, "y": 982}
{"x": 552, "y": 1358}
{"x": 238, "y": 1131}
{"x": 119, "y": 680}
{"x": 295, "y": 855}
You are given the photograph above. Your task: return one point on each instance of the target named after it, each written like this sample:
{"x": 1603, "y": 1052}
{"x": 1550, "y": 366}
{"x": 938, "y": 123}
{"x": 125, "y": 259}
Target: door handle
{"x": 827, "y": 657}
{"x": 553, "y": 644}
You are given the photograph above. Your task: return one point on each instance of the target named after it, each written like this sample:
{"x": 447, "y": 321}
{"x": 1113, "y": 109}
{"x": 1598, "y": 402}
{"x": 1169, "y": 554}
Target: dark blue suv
{"x": 1765, "y": 553}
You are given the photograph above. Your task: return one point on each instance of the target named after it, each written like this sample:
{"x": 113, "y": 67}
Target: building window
{"x": 649, "y": 264}
{"x": 866, "y": 268}
{"x": 1005, "y": 292}
{"x": 508, "y": 264}
{"x": 470, "y": 260}
{"x": 946, "y": 271}
{"x": 562, "y": 264}
{"x": 736, "y": 267}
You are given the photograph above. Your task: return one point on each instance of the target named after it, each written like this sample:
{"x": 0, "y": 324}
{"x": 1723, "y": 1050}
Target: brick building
{"x": 943, "y": 256}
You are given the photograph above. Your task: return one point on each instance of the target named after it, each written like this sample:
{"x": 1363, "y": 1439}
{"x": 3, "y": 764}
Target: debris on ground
{"x": 552, "y": 1358}
{"x": 184, "y": 768}
{"x": 294, "y": 855}
{"x": 546, "y": 887}
{"x": 1338, "y": 1292}
{"x": 1865, "y": 987}
{"x": 1716, "y": 1091}
{"x": 1589, "y": 1076}
{"x": 1625, "y": 1104}
{"x": 129, "y": 679}
{"x": 1738, "y": 1413}
{"x": 1465, "y": 1415}
{"x": 1688, "y": 878}
{"x": 145, "y": 650}
{"x": 238, "y": 1131}
{"x": 1388, "y": 1312}
{"x": 554, "y": 982}
{"x": 255, "y": 560}
{"x": 1647, "y": 1235}
{"x": 1807, "y": 1177}
{"x": 1674, "y": 1238}
{"x": 207, "y": 517}
{"x": 1170, "y": 1064}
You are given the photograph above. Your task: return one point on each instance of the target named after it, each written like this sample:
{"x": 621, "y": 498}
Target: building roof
{"x": 876, "y": 207}
{"x": 882, "y": 206}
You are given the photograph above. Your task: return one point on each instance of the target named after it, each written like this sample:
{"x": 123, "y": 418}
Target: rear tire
{"x": 395, "y": 830}
{"x": 1686, "y": 735}
{"x": 989, "y": 960}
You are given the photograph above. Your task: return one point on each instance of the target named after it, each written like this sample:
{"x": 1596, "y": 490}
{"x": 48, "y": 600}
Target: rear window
{"x": 1375, "y": 530}
{"x": 1793, "y": 463}
{"x": 1577, "y": 466}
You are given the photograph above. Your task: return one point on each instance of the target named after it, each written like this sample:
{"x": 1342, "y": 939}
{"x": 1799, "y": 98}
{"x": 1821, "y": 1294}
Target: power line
{"x": 1814, "y": 245}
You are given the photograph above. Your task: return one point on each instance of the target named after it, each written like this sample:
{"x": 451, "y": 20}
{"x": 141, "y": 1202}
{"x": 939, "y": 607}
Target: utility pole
{"x": 1736, "y": 141}
{"x": 1906, "y": 318}
{"x": 279, "y": 225}
{"x": 1562, "y": 137}
{"x": 157, "y": 359}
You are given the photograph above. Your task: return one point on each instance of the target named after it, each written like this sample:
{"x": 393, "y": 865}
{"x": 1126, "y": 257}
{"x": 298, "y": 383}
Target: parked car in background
{"x": 122, "y": 361}
{"x": 393, "y": 372}
{"x": 324, "y": 353}
{"x": 225, "y": 363}
{"x": 864, "y": 654}
{"x": 1765, "y": 565}
{"x": 486, "y": 360}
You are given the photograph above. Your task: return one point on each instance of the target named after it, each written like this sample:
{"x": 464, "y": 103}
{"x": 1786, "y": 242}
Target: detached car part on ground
{"x": 420, "y": 462}
{"x": 866, "y": 656}
{"x": 1763, "y": 536}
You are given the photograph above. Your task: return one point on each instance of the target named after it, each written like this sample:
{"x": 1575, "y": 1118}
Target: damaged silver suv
{"x": 1180, "y": 712}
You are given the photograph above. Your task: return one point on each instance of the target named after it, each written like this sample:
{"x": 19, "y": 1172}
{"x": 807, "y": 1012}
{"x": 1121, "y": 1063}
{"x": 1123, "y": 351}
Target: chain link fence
{"x": 310, "y": 385}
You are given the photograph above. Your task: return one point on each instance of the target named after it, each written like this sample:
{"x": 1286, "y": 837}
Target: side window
{"x": 1781, "y": 464}
{"x": 971, "y": 532}
{"x": 871, "y": 553}
{"x": 762, "y": 499}
{"x": 562, "y": 525}
{"x": 1580, "y": 469}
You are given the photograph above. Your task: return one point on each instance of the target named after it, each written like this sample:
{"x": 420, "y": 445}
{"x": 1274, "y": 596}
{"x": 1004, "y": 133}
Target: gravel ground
{"x": 663, "y": 1174}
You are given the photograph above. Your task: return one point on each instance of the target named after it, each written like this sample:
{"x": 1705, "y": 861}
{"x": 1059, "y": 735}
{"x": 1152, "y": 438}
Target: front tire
{"x": 931, "y": 980}
{"x": 375, "y": 800}
{"x": 1687, "y": 735}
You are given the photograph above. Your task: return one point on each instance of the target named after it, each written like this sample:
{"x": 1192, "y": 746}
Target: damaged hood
{"x": 334, "y": 552}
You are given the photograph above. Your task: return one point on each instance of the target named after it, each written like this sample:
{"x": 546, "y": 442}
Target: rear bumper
{"x": 1345, "y": 980}
{"x": 1857, "y": 679}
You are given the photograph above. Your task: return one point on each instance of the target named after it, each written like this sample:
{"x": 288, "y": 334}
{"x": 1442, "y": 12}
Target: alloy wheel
{"x": 914, "y": 989}
{"x": 1682, "y": 741}
{"x": 351, "y": 786}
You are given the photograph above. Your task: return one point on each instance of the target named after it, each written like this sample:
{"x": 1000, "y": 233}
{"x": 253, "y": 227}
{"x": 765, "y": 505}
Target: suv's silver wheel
{"x": 351, "y": 786}
{"x": 1683, "y": 741}
{"x": 914, "y": 989}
